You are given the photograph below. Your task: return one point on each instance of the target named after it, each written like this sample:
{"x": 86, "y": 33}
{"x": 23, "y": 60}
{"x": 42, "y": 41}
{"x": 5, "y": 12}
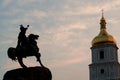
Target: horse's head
{"x": 11, "y": 53}
{"x": 33, "y": 37}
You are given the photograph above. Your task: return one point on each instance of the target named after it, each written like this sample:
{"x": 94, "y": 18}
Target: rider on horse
{"x": 26, "y": 46}
{"x": 22, "y": 39}
{"x": 27, "y": 43}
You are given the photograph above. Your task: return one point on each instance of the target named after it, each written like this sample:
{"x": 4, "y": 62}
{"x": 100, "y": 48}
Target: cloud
{"x": 29, "y": 61}
{"x": 68, "y": 62}
{"x": 36, "y": 14}
{"x": 63, "y": 42}
{"x": 65, "y": 27}
{"x": 10, "y": 65}
{"x": 61, "y": 34}
{"x": 63, "y": 38}
{"x": 91, "y": 8}
{"x": 111, "y": 5}
{"x": 6, "y": 3}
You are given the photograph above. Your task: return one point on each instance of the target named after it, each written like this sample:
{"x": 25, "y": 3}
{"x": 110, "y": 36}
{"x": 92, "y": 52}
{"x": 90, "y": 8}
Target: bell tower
{"x": 104, "y": 64}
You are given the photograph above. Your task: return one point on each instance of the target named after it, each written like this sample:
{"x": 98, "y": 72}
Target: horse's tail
{"x": 11, "y": 53}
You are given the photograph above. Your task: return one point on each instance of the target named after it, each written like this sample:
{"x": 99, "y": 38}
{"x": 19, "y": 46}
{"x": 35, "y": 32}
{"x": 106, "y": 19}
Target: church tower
{"x": 105, "y": 65}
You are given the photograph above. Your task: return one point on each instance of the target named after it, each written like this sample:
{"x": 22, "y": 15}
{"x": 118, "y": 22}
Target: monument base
{"x": 30, "y": 73}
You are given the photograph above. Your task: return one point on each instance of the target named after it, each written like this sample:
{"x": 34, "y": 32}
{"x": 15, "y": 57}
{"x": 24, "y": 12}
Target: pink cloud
{"x": 69, "y": 62}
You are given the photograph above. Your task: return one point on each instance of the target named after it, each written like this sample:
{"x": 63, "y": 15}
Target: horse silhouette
{"x": 29, "y": 49}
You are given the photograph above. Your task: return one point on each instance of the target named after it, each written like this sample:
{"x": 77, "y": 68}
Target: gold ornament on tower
{"x": 103, "y": 37}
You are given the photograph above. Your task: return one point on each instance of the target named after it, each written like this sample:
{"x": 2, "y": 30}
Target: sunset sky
{"x": 66, "y": 29}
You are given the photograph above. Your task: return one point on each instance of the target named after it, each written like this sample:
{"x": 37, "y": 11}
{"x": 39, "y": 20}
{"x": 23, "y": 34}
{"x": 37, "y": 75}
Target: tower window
{"x": 102, "y": 54}
{"x": 102, "y": 71}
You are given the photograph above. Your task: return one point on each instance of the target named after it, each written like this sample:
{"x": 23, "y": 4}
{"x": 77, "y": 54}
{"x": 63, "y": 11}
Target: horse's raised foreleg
{"x": 38, "y": 59}
{"x": 21, "y": 62}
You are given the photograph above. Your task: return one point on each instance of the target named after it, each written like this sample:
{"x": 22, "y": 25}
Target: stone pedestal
{"x": 31, "y": 73}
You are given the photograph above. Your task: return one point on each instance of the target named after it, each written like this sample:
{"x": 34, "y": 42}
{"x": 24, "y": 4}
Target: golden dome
{"x": 103, "y": 37}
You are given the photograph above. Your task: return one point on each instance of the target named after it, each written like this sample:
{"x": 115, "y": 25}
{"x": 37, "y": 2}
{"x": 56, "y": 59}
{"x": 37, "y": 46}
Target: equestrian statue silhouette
{"x": 26, "y": 46}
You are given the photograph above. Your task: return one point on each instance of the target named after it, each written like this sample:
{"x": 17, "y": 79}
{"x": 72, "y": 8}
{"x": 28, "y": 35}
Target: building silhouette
{"x": 104, "y": 64}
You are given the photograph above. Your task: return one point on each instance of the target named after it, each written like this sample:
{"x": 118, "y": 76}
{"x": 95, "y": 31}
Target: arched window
{"x": 101, "y": 54}
{"x": 102, "y": 71}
